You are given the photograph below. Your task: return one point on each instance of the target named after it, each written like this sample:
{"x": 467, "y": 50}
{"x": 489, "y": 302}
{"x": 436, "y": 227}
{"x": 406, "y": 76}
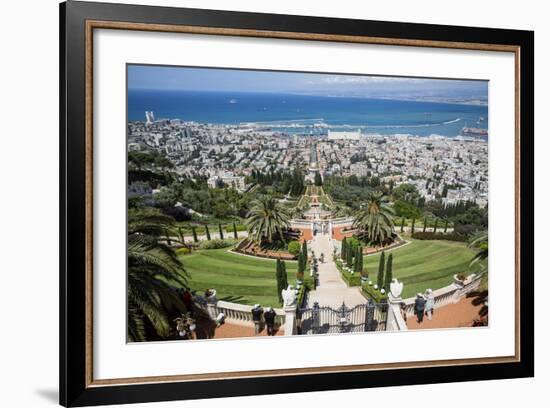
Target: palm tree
{"x": 148, "y": 221}
{"x": 297, "y": 213}
{"x": 154, "y": 273}
{"x": 152, "y": 269}
{"x": 375, "y": 219}
{"x": 481, "y": 243}
{"x": 266, "y": 218}
{"x": 480, "y": 296}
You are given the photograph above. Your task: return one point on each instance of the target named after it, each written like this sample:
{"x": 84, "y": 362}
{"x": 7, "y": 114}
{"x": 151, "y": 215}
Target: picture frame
{"x": 78, "y": 20}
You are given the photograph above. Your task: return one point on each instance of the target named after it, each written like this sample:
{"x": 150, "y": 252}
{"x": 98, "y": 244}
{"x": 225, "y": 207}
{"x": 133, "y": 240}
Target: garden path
{"x": 331, "y": 290}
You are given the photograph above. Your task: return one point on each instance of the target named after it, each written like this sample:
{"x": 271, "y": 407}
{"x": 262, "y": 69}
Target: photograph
{"x": 255, "y": 203}
{"x": 280, "y": 203}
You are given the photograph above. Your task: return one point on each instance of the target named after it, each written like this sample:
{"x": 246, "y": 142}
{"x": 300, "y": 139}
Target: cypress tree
{"x": 284, "y": 276}
{"x": 279, "y": 278}
{"x": 435, "y": 225}
{"x": 361, "y": 262}
{"x": 234, "y": 230}
{"x": 380, "y": 278}
{"x": 389, "y": 272}
{"x": 195, "y": 238}
{"x": 358, "y": 265}
{"x": 220, "y": 230}
{"x": 446, "y": 225}
{"x": 425, "y": 224}
{"x": 301, "y": 262}
{"x": 349, "y": 258}
{"x": 343, "y": 251}
{"x": 207, "y": 232}
{"x": 412, "y": 226}
{"x": 301, "y": 267}
{"x": 402, "y": 224}
{"x": 304, "y": 251}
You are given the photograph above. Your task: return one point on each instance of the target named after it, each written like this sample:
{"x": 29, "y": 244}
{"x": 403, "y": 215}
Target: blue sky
{"x": 207, "y": 79}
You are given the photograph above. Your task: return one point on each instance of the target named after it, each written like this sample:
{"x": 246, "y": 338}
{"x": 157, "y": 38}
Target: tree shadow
{"x": 206, "y": 328}
{"x": 233, "y": 299}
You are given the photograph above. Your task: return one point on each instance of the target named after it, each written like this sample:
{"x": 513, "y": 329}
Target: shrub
{"x": 183, "y": 251}
{"x": 294, "y": 248}
{"x": 216, "y": 244}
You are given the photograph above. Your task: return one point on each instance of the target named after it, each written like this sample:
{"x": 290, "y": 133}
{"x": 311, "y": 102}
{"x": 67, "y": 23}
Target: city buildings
{"x": 445, "y": 168}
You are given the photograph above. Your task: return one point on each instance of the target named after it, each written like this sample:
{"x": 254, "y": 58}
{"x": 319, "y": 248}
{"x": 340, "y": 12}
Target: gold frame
{"x": 100, "y": 24}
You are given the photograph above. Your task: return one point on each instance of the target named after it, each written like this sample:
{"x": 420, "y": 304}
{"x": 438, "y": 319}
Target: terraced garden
{"x": 236, "y": 278}
{"x": 247, "y": 280}
{"x": 426, "y": 264}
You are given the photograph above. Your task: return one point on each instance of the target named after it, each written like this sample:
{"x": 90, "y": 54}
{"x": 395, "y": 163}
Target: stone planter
{"x": 458, "y": 282}
{"x": 211, "y": 298}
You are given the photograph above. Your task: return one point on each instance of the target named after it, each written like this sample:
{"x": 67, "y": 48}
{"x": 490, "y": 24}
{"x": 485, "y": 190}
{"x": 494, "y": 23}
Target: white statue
{"x": 396, "y": 288}
{"x": 289, "y": 296}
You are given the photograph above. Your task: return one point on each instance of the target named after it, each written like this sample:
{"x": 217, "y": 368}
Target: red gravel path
{"x": 206, "y": 329}
{"x": 230, "y": 330}
{"x": 460, "y": 314}
{"x": 306, "y": 234}
{"x": 338, "y": 234}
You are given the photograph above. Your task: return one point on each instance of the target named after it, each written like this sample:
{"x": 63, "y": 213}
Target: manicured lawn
{"x": 236, "y": 278}
{"x": 425, "y": 264}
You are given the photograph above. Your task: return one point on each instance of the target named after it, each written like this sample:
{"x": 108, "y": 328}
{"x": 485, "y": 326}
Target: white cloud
{"x": 346, "y": 79}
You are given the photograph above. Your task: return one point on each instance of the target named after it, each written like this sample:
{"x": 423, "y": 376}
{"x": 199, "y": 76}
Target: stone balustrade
{"x": 344, "y": 221}
{"x": 297, "y": 223}
{"x": 395, "y": 320}
{"x": 237, "y": 312}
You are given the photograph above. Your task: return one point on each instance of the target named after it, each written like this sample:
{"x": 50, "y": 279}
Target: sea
{"x": 309, "y": 114}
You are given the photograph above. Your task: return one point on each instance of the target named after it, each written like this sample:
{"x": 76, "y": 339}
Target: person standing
{"x": 257, "y": 313}
{"x": 419, "y": 307}
{"x": 430, "y": 303}
{"x": 269, "y": 317}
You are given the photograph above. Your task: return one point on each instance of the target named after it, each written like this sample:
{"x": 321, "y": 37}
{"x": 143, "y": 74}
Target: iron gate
{"x": 370, "y": 316}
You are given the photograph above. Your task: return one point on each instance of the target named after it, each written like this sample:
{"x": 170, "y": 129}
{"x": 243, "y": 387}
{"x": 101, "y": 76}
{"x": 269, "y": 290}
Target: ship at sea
{"x": 471, "y": 131}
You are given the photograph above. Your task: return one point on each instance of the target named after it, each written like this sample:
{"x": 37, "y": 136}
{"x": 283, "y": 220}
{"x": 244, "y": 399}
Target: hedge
{"x": 351, "y": 280}
{"x": 216, "y": 244}
{"x": 439, "y": 236}
{"x": 374, "y": 294}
